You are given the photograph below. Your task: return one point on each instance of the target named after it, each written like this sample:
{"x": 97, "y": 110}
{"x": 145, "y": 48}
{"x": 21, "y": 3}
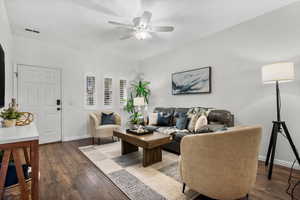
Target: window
{"x": 123, "y": 91}
{"x": 90, "y": 90}
{"x": 107, "y": 91}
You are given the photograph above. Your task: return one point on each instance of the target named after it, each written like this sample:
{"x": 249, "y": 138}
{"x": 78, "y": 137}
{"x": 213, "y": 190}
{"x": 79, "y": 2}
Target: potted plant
{"x": 138, "y": 89}
{"x": 10, "y": 116}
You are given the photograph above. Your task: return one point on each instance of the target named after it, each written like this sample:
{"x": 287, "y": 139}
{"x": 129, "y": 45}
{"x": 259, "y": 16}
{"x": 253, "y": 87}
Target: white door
{"x": 39, "y": 92}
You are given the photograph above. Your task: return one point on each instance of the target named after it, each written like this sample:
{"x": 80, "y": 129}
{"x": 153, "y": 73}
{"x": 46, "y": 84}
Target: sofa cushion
{"x": 211, "y": 128}
{"x": 201, "y": 122}
{"x": 107, "y": 118}
{"x": 192, "y": 122}
{"x": 177, "y": 113}
{"x": 164, "y": 119}
{"x": 182, "y": 122}
{"x": 180, "y": 111}
{"x": 179, "y": 135}
{"x": 108, "y": 126}
{"x": 153, "y": 118}
{"x": 220, "y": 117}
{"x": 170, "y": 130}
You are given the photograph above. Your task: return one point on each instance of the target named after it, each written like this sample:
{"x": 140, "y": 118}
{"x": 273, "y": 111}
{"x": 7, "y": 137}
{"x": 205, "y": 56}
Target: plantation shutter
{"x": 107, "y": 91}
{"x": 90, "y": 90}
{"x": 123, "y": 91}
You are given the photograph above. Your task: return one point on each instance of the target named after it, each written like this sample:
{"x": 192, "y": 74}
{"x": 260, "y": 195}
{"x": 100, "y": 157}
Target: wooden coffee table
{"x": 151, "y": 144}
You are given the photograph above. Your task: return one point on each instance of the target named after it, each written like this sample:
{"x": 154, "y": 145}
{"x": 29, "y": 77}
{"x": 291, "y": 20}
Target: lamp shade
{"x": 282, "y": 72}
{"x": 139, "y": 101}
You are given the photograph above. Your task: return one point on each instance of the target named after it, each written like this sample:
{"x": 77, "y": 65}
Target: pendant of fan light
{"x": 141, "y": 28}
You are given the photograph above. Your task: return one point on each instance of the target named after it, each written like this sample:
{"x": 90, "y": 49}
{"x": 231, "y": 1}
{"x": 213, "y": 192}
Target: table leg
{"x": 151, "y": 156}
{"x": 20, "y": 175}
{"x": 3, "y": 171}
{"x": 128, "y": 148}
{"x": 34, "y": 158}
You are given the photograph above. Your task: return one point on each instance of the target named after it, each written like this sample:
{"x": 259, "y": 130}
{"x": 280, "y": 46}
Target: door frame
{"x": 15, "y": 89}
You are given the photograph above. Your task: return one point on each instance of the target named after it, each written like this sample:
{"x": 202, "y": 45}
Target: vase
{"x": 9, "y": 123}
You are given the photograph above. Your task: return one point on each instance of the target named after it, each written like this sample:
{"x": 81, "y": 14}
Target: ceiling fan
{"x": 141, "y": 28}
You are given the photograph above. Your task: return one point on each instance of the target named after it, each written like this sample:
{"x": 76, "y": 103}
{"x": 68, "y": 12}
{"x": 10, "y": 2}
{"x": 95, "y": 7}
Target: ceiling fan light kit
{"x": 142, "y": 35}
{"x": 141, "y": 28}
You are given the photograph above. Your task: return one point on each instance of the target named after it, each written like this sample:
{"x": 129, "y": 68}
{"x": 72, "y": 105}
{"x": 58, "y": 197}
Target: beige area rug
{"x": 158, "y": 181}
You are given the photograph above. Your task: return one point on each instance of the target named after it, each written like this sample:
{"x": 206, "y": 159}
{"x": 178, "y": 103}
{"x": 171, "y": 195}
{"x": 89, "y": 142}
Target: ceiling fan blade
{"x": 121, "y": 24}
{"x": 162, "y": 28}
{"x": 146, "y": 18}
{"x": 125, "y": 37}
{"x": 136, "y": 21}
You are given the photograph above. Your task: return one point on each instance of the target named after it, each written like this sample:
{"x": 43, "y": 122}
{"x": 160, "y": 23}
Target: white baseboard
{"x": 281, "y": 162}
{"x": 77, "y": 137}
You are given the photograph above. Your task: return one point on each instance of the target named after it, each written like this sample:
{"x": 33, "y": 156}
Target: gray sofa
{"x": 217, "y": 119}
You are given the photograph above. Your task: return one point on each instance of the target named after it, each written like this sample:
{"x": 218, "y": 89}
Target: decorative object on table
{"x": 275, "y": 73}
{"x": 90, "y": 90}
{"x": 10, "y": 115}
{"x": 139, "y": 131}
{"x": 196, "y": 81}
{"x": 139, "y": 89}
{"x": 25, "y": 119}
{"x": 139, "y": 103}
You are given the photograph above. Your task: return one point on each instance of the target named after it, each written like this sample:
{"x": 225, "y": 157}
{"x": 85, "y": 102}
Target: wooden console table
{"x": 13, "y": 141}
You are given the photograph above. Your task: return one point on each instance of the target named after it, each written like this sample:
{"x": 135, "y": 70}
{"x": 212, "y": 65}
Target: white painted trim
{"x": 280, "y": 162}
{"x": 75, "y": 137}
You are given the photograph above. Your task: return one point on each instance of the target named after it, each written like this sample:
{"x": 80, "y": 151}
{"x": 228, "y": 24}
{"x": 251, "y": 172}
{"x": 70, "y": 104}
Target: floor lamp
{"x": 278, "y": 73}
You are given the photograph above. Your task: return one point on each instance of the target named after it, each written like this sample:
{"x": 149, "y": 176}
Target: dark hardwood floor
{"x": 68, "y": 174}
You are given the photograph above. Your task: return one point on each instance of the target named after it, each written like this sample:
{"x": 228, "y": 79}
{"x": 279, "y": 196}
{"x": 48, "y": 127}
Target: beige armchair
{"x": 221, "y": 165}
{"x": 101, "y": 131}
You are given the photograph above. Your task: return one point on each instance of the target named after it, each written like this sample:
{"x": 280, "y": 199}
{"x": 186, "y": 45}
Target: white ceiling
{"x": 83, "y": 23}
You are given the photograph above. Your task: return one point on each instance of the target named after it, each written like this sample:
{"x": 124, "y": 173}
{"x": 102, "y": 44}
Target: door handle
{"x": 58, "y": 102}
{"x": 58, "y": 109}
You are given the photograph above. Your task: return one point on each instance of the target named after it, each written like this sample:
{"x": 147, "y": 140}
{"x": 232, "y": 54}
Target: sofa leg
{"x": 183, "y": 187}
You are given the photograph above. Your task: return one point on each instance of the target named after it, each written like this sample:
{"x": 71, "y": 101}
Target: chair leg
{"x": 183, "y": 187}
{"x": 247, "y": 197}
{"x": 93, "y": 141}
{"x": 113, "y": 139}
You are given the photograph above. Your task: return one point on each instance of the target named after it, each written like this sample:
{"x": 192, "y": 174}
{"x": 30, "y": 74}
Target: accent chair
{"x": 221, "y": 165}
{"x": 100, "y": 131}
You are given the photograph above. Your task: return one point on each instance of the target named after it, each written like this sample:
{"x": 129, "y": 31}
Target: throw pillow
{"x": 181, "y": 122}
{"x": 107, "y": 118}
{"x": 201, "y": 122}
{"x": 153, "y": 118}
{"x": 192, "y": 123}
{"x": 164, "y": 119}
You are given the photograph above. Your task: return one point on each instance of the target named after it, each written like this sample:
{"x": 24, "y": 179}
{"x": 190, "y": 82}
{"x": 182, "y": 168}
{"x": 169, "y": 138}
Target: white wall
{"x": 236, "y": 56}
{"x": 6, "y": 42}
{"x": 75, "y": 64}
